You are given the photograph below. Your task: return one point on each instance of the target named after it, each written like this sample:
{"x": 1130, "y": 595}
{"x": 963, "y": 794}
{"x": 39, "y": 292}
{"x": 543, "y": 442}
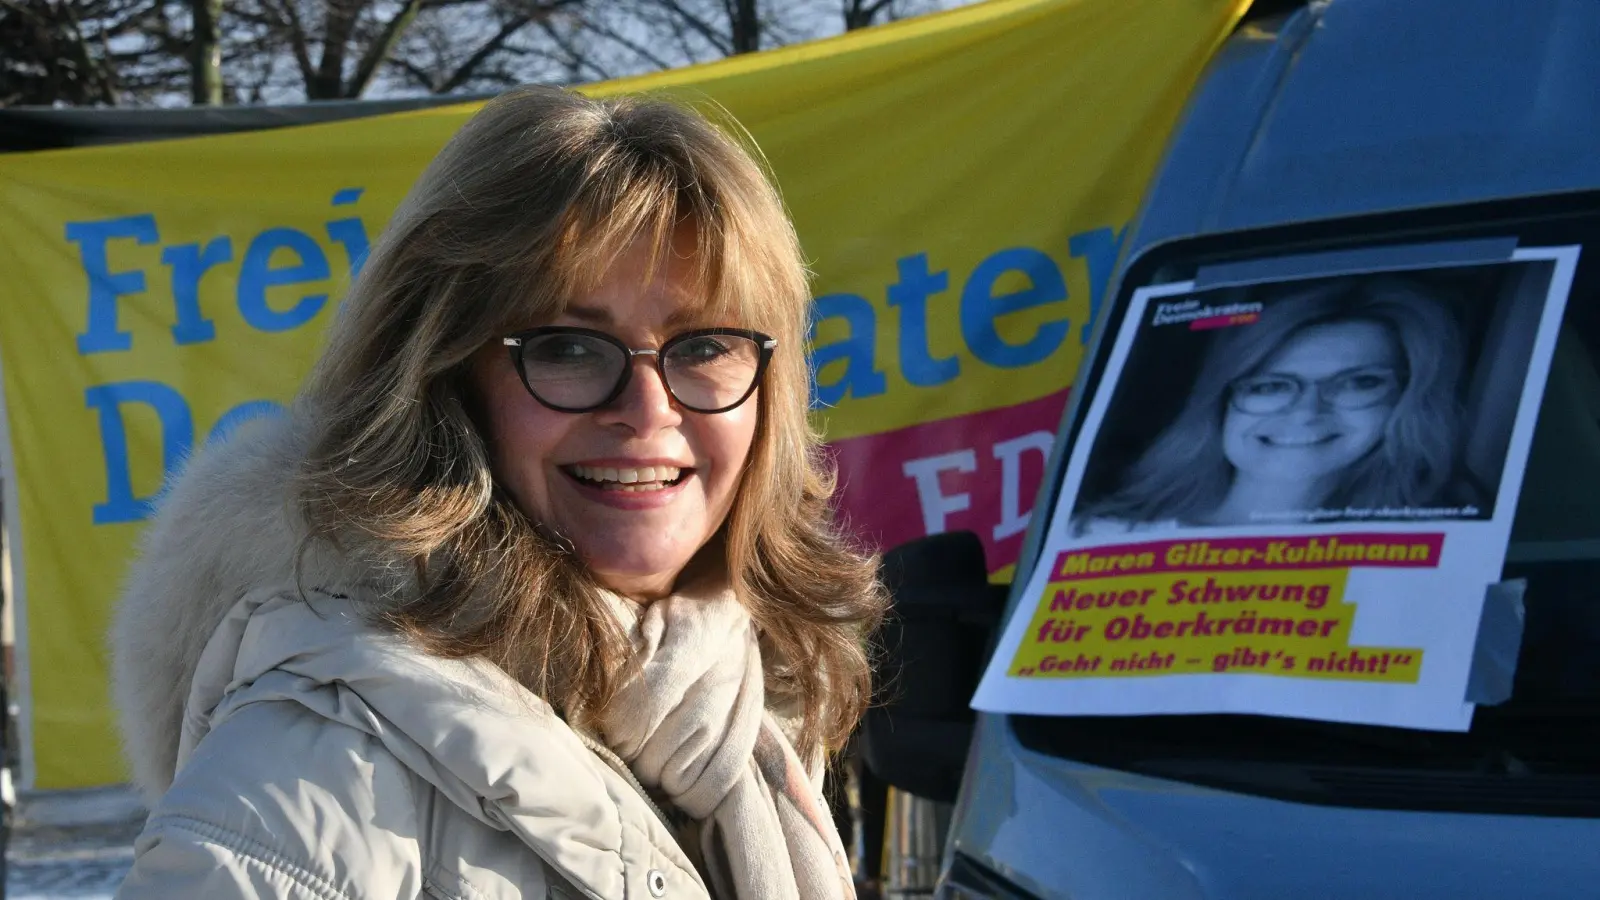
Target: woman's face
{"x": 636, "y": 538}
{"x": 1318, "y": 404}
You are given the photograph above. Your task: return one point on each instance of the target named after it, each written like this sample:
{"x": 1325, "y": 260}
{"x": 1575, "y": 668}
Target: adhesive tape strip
{"x": 1494, "y": 656}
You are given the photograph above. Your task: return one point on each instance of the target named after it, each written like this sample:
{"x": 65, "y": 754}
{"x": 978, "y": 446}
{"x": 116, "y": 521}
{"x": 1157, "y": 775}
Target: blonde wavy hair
{"x": 527, "y": 207}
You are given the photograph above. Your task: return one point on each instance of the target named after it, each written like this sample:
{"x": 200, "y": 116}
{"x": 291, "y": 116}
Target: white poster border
{"x": 1198, "y": 693}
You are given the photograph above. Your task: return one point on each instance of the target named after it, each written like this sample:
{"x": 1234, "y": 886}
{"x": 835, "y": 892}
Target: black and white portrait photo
{"x": 1387, "y": 396}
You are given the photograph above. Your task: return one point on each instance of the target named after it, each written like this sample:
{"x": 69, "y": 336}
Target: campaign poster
{"x": 1289, "y": 497}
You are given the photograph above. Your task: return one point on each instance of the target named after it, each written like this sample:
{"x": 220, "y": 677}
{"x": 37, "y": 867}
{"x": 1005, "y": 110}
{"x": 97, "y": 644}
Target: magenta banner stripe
{"x": 977, "y": 472}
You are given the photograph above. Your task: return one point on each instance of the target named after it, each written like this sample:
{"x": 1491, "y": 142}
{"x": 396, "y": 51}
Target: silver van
{"x": 1319, "y": 129}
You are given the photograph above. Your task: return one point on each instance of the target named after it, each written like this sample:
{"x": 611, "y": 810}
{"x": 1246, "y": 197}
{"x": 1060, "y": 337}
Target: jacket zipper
{"x": 615, "y": 762}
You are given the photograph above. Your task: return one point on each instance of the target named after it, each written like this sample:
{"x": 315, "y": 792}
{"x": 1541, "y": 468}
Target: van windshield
{"x": 1537, "y": 753}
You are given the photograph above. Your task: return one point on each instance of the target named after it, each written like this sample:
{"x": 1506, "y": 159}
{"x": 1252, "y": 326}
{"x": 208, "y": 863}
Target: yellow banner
{"x": 961, "y": 183}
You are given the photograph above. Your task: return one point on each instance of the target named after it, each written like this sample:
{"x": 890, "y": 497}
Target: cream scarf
{"x": 692, "y": 723}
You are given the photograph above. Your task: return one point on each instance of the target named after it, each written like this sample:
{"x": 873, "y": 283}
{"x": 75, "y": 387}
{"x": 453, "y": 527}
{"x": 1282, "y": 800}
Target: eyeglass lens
{"x": 578, "y": 371}
{"x": 1267, "y": 394}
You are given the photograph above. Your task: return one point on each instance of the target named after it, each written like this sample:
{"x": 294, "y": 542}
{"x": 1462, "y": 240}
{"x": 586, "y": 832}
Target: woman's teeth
{"x": 1297, "y": 442}
{"x": 643, "y": 478}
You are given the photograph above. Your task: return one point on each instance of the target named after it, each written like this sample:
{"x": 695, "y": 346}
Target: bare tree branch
{"x": 296, "y": 33}
{"x": 862, "y": 13}
{"x": 659, "y": 62}
{"x": 465, "y": 71}
{"x": 685, "y": 18}
{"x": 95, "y": 77}
{"x": 380, "y": 48}
{"x": 253, "y": 51}
{"x": 572, "y": 58}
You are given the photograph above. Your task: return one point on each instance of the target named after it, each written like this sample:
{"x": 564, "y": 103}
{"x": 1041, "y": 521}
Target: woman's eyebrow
{"x": 602, "y": 315}
{"x": 595, "y": 315}
{"x": 1345, "y": 371}
{"x": 685, "y": 316}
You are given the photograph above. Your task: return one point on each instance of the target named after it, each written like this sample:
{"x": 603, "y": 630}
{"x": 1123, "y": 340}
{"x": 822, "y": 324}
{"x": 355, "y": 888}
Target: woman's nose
{"x": 1311, "y": 402}
{"x": 645, "y": 405}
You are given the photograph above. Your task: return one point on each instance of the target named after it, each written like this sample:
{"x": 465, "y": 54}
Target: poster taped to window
{"x": 1289, "y": 496}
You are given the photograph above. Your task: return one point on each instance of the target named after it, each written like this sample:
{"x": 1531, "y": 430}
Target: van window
{"x": 1538, "y": 753}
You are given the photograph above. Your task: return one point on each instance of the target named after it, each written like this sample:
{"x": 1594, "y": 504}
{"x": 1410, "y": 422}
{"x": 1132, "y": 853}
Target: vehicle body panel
{"x": 1067, "y": 831}
{"x": 1339, "y": 109}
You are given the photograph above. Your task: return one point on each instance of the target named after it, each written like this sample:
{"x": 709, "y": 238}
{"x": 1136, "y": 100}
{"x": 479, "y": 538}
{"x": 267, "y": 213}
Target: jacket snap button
{"x": 657, "y": 883}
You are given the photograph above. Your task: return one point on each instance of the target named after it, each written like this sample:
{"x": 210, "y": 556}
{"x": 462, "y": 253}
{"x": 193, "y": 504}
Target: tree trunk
{"x": 337, "y": 26}
{"x": 206, "y": 53}
{"x": 855, "y": 15}
{"x": 746, "y": 27}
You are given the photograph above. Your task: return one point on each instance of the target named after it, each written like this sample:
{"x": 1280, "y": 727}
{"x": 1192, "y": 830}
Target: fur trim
{"x": 227, "y": 526}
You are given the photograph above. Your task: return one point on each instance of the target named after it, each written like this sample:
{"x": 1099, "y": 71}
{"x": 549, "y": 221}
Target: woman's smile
{"x": 624, "y": 486}
{"x": 624, "y": 476}
{"x": 1297, "y": 441}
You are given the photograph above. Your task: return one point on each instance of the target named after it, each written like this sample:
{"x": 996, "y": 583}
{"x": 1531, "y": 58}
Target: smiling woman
{"x": 536, "y": 591}
{"x": 1341, "y": 399}
{"x": 583, "y": 461}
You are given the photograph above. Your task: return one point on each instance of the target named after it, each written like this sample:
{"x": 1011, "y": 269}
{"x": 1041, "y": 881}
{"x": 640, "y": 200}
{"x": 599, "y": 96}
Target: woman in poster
{"x": 1341, "y": 397}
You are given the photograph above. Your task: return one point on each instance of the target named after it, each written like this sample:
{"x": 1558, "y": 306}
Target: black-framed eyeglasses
{"x": 574, "y": 370}
{"x": 1265, "y": 395}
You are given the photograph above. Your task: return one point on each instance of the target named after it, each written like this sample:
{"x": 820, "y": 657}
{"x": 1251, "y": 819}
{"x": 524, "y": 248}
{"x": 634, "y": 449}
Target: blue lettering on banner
{"x": 911, "y": 295}
{"x": 257, "y": 273}
{"x": 105, "y": 286}
{"x": 980, "y": 307}
{"x": 275, "y": 258}
{"x": 861, "y": 376}
{"x": 350, "y": 233}
{"x": 283, "y": 257}
{"x": 177, "y": 433}
{"x": 189, "y": 264}
{"x": 112, "y": 402}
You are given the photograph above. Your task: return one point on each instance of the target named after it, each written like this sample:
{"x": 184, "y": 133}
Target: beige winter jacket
{"x": 290, "y": 750}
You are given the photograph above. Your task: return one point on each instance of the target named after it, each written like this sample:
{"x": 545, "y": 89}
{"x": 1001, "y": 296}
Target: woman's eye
{"x": 1367, "y": 382}
{"x": 700, "y": 350}
{"x": 1271, "y": 388}
{"x": 561, "y": 350}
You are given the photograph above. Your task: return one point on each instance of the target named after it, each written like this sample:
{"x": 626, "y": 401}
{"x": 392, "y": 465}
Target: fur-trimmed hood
{"x": 236, "y": 634}
{"x": 228, "y": 525}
